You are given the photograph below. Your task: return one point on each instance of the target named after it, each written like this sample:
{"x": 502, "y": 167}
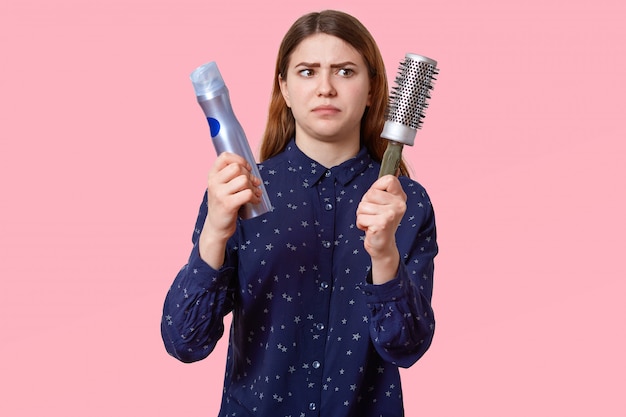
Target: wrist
{"x": 212, "y": 248}
{"x": 385, "y": 268}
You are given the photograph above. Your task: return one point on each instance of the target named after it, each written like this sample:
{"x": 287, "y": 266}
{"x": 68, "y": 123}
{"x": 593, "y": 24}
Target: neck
{"x": 329, "y": 153}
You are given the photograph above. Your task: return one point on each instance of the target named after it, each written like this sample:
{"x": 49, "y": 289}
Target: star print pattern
{"x": 311, "y": 335}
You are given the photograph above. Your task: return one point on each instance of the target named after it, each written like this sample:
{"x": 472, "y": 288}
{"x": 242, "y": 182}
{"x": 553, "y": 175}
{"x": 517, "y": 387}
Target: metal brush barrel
{"x": 409, "y": 98}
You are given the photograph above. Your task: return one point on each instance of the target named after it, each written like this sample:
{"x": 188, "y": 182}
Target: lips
{"x": 326, "y": 109}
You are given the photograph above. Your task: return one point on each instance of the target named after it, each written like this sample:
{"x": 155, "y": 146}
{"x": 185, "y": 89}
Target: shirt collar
{"x": 313, "y": 171}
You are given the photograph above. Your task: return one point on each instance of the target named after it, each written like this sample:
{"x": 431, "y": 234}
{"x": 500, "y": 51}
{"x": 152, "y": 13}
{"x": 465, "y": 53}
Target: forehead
{"x": 322, "y": 48}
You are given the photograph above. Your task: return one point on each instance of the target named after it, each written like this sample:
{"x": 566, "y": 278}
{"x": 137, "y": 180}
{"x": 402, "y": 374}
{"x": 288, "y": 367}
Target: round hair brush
{"x": 407, "y": 102}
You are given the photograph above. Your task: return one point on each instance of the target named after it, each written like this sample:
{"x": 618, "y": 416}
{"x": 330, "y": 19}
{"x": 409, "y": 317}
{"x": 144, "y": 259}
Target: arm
{"x": 402, "y": 323}
{"x": 202, "y": 293}
{"x": 196, "y": 303}
{"x": 378, "y": 215}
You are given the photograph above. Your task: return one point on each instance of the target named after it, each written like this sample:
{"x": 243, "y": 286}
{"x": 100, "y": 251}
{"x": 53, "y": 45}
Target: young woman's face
{"x": 327, "y": 88}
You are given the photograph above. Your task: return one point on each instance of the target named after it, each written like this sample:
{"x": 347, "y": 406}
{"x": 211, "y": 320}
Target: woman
{"x": 330, "y": 292}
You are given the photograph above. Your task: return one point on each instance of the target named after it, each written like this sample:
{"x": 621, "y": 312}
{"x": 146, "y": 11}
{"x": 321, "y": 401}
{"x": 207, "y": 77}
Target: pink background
{"x": 104, "y": 153}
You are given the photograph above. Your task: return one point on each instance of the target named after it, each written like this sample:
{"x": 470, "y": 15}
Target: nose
{"x": 325, "y": 87}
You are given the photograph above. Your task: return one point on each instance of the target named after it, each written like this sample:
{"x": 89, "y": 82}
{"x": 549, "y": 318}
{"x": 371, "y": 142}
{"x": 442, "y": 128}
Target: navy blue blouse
{"x": 310, "y": 335}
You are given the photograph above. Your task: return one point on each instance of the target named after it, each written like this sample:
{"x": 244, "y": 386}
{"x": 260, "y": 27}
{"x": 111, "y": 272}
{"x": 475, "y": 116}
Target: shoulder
{"x": 409, "y": 184}
{"x": 416, "y": 193}
{"x": 278, "y": 173}
{"x": 272, "y": 162}
{"x": 273, "y": 166}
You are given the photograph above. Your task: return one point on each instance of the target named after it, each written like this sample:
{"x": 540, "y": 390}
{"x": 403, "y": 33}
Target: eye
{"x": 307, "y": 72}
{"x": 345, "y": 72}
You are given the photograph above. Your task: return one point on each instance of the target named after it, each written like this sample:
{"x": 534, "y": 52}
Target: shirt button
{"x": 326, "y": 244}
{"x": 328, "y": 206}
{"x": 324, "y": 284}
{"x": 320, "y": 326}
{"x": 328, "y": 174}
{"x": 316, "y": 364}
{"x": 312, "y": 406}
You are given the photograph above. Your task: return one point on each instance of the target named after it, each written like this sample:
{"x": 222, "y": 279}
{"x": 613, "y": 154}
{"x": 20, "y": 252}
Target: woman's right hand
{"x": 230, "y": 185}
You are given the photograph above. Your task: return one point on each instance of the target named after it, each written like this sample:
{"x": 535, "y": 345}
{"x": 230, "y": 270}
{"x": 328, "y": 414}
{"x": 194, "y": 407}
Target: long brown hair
{"x": 281, "y": 126}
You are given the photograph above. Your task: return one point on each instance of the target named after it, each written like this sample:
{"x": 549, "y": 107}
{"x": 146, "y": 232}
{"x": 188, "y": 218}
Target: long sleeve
{"x": 402, "y": 322}
{"x": 309, "y": 335}
{"x": 195, "y": 305}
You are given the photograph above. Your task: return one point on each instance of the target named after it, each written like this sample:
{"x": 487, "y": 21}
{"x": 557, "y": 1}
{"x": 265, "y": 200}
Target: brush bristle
{"x": 409, "y": 97}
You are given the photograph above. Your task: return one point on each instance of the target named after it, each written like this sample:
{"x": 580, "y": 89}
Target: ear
{"x": 282, "y": 83}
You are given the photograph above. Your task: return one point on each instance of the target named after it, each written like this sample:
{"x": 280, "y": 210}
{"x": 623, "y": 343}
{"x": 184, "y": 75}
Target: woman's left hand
{"x": 378, "y": 215}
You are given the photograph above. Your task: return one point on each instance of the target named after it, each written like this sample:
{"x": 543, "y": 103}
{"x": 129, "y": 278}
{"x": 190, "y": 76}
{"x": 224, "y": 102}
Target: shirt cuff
{"x": 390, "y": 291}
{"x": 206, "y": 275}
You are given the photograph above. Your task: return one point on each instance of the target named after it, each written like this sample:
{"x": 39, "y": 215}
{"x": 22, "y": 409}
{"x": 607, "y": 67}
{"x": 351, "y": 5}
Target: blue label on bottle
{"x": 214, "y": 125}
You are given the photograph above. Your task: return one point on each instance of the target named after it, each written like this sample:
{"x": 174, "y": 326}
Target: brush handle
{"x": 391, "y": 159}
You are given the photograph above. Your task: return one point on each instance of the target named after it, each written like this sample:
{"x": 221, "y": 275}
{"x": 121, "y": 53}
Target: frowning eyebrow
{"x": 317, "y": 64}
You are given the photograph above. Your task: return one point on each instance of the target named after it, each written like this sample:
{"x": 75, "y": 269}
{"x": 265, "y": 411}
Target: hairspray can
{"x": 226, "y": 132}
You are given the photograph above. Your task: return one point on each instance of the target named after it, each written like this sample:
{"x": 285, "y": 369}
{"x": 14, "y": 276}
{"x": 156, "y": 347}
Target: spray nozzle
{"x": 207, "y": 80}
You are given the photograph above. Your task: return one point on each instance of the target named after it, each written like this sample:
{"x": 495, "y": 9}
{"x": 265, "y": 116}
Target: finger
{"x": 377, "y": 197}
{"x": 384, "y": 198}
{"x": 227, "y": 159}
{"x": 377, "y": 216}
{"x": 241, "y": 183}
{"x": 242, "y": 176}
{"x": 235, "y": 200}
{"x": 394, "y": 187}
{"x": 233, "y": 158}
{"x": 368, "y": 207}
{"x": 232, "y": 171}
{"x": 389, "y": 183}
{"x": 364, "y": 221}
